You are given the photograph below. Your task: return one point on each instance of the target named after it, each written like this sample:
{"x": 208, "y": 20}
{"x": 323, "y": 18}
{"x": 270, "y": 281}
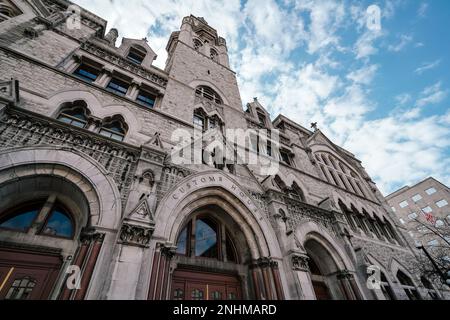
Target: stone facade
{"x": 88, "y": 127}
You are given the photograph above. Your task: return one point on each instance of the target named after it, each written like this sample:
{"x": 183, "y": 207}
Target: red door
{"x": 193, "y": 285}
{"x": 27, "y": 275}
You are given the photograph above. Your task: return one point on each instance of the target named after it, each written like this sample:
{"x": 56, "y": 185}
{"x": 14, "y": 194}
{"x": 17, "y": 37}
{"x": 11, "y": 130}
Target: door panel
{"x": 27, "y": 275}
{"x": 192, "y": 285}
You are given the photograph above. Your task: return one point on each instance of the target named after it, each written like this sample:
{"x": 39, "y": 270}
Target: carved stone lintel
{"x": 135, "y": 235}
{"x": 300, "y": 262}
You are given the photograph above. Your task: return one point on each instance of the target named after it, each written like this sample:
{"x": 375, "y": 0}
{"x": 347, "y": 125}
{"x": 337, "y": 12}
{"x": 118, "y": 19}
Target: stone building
{"x": 90, "y": 191}
{"x": 424, "y": 204}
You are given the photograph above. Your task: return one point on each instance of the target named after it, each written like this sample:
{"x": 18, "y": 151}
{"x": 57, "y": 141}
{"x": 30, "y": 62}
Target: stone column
{"x": 266, "y": 279}
{"x": 133, "y": 91}
{"x": 160, "y": 274}
{"x": 85, "y": 258}
{"x": 134, "y": 239}
{"x": 302, "y": 274}
{"x": 104, "y": 78}
{"x": 348, "y": 285}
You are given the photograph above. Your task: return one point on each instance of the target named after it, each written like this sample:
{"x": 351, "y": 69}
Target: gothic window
{"x": 146, "y": 98}
{"x": 197, "y": 44}
{"x": 199, "y": 121}
{"x": 203, "y": 237}
{"x": 214, "y": 55}
{"x": 8, "y": 10}
{"x": 21, "y": 289}
{"x": 208, "y": 93}
{"x": 136, "y": 55}
{"x": 408, "y": 286}
{"x": 202, "y": 122}
{"x": 87, "y": 72}
{"x": 118, "y": 86}
{"x": 115, "y": 129}
{"x": 58, "y": 221}
{"x": 285, "y": 157}
{"x": 76, "y": 116}
{"x": 296, "y": 192}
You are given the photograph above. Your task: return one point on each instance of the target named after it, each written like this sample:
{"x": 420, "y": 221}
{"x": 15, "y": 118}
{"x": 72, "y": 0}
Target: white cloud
{"x": 432, "y": 95}
{"x": 364, "y": 75}
{"x": 422, "y": 11}
{"x": 427, "y": 66}
{"x": 403, "y": 98}
{"x": 403, "y": 42}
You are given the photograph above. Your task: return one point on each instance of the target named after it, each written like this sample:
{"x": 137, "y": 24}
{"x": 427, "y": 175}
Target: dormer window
{"x": 208, "y": 93}
{"x": 114, "y": 129}
{"x": 136, "y": 56}
{"x": 87, "y": 72}
{"x": 146, "y": 98}
{"x": 118, "y": 86}
{"x": 261, "y": 118}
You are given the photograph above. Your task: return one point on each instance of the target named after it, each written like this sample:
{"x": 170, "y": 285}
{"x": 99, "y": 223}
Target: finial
{"x": 255, "y": 99}
{"x": 314, "y": 126}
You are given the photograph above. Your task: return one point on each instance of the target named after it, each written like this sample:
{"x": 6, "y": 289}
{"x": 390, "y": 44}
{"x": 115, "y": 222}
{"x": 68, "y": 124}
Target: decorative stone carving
{"x": 168, "y": 250}
{"x": 19, "y": 128}
{"x": 135, "y": 235}
{"x": 300, "y": 262}
{"x": 90, "y": 234}
{"x": 264, "y": 262}
{"x": 9, "y": 91}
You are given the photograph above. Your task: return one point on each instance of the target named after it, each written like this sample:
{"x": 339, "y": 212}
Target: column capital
{"x": 90, "y": 234}
{"x": 344, "y": 274}
{"x": 167, "y": 249}
{"x": 300, "y": 262}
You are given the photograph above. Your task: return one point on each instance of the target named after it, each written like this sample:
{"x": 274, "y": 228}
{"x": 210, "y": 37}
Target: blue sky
{"x": 382, "y": 94}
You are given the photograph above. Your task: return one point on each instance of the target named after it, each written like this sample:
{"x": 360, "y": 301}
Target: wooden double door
{"x": 193, "y": 285}
{"x": 26, "y": 275}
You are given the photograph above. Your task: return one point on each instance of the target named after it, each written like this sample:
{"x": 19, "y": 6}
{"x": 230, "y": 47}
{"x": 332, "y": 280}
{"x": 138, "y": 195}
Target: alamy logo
{"x": 373, "y": 14}
{"x": 74, "y": 280}
{"x": 374, "y": 277}
{"x": 73, "y": 21}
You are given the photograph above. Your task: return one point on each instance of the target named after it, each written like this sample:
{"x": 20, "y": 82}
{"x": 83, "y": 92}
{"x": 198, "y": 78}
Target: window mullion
{"x": 43, "y": 213}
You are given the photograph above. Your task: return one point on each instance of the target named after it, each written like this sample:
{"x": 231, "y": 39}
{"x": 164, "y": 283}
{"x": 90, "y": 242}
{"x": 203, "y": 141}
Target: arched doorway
{"x": 329, "y": 278}
{"x": 211, "y": 258}
{"x": 39, "y": 227}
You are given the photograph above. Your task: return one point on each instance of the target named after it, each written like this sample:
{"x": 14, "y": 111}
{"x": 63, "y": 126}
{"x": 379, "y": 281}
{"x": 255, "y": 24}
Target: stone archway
{"x": 330, "y": 273}
{"x": 84, "y": 188}
{"x": 217, "y": 190}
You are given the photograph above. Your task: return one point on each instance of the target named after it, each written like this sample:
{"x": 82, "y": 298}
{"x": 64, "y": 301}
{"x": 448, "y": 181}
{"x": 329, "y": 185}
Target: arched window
{"x": 208, "y": 93}
{"x": 57, "y": 221}
{"x": 204, "y": 237}
{"x": 114, "y": 128}
{"x": 407, "y": 285}
{"x": 296, "y": 192}
{"x": 214, "y": 55}
{"x": 197, "y": 44}
{"x": 76, "y": 115}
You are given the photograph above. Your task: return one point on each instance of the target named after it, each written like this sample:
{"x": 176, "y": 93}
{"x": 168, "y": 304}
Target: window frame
{"x": 77, "y": 73}
{"x": 118, "y": 81}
